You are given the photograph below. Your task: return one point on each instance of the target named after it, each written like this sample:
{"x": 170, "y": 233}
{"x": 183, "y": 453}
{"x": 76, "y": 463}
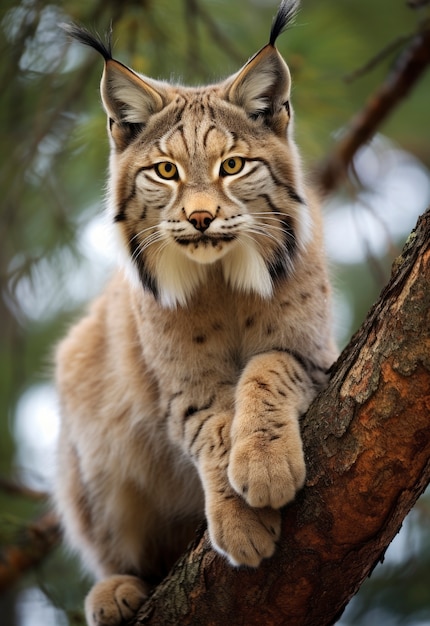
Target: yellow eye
{"x": 167, "y": 170}
{"x": 231, "y": 166}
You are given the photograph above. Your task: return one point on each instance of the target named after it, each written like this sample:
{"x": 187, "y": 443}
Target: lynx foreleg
{"x": 266, "y": 465}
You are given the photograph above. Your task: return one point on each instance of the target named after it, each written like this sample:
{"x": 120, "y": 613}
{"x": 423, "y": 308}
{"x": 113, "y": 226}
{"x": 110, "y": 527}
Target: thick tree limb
{"x": 367, "y": 442}
{"x": 406, "y": 72}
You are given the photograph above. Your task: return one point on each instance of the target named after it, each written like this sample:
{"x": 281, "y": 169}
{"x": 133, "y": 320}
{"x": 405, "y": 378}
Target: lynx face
{"x": 198, "y": 194}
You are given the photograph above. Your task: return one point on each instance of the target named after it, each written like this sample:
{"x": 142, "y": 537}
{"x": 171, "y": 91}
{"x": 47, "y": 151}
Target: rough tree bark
{"x": 367, "y": 442}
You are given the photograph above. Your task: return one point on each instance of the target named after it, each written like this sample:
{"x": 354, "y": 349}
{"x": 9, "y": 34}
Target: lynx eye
{"x": 167, "y": 170}
{"x": 232, "y": 165}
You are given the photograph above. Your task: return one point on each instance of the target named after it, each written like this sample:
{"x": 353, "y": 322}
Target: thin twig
{"x": 417, "y": 4}
{"x": 406, "y": 72}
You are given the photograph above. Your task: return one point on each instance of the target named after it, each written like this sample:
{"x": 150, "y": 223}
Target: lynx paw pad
{"x": 114, "y": 600}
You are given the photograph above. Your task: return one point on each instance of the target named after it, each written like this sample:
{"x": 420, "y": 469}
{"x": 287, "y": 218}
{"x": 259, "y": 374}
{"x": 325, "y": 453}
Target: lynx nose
{"x": 201, "y": 220}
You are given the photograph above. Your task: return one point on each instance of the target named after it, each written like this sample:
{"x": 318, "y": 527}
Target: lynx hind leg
{"x": 114, "y": 600}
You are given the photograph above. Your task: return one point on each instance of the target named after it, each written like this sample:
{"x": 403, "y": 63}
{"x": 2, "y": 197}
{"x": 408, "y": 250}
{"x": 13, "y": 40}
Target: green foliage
{"x": 54, "y": 158}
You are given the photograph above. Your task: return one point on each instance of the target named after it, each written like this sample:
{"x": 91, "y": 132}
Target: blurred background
{"x": 55, "y": 249}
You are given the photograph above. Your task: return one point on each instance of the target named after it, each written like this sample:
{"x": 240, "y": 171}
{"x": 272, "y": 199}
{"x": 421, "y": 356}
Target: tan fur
{"x": 182, "y": 388}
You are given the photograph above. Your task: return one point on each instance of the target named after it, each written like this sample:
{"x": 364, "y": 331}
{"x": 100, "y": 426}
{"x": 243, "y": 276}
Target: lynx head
{"x": 205, "y": 179}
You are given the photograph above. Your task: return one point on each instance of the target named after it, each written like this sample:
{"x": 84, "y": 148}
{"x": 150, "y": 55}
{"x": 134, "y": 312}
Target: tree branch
{"x": 405, "y": 73}
{"x": 17, "y": 489}
{"x": 35, "y": 541}
{"x": 367, "y": 443}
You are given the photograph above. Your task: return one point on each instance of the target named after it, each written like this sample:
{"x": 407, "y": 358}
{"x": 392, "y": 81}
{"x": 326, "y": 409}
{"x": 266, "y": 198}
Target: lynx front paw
{"x": 245, "y": 536}
{"x": 266, "y": 473}
{"x": 114, "y": 600}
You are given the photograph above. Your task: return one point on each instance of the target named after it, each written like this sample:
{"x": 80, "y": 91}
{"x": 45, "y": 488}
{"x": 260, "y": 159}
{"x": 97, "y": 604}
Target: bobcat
{"x": 182, "y": 388}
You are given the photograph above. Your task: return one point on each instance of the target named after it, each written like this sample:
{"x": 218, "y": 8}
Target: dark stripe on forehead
{"x": 159, "y": 149}
{"x": 180, "y": 131}
{"x": 234, "y": 143}
{"x": 195, "y": 105}
{"x": 207, "y": 135}
{"x": 178, "y": 114}
{"x": 212, "y": 112}
{"x": 235, "y": 140}
{"x": 169, "y": 118}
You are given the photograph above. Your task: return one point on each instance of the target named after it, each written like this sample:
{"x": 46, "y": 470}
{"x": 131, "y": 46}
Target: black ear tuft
{"x": 84, "y": 36}
{"x": 285, "y": 15}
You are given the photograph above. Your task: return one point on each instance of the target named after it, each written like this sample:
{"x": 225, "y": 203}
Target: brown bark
{"x": 367, "y": 442}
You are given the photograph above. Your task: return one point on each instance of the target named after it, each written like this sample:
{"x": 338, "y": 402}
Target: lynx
{"x": 182, "y": 388}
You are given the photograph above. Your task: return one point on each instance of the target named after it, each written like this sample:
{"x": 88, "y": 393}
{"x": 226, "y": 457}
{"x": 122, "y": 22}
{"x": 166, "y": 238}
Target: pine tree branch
{"x": 17, "y": 489}
{"x": 367, "y": 443}
{"x": 406, "y": 72}
{"x": 35, "y": 541}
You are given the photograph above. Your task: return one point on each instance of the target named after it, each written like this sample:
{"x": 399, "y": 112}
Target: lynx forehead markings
{"x": 182, "y": 388}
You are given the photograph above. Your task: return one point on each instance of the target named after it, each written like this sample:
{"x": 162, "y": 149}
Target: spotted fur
{"x": 182, "y": 388}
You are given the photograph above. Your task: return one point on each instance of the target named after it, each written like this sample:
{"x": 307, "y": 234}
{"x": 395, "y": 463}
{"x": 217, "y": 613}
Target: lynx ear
{"x": 127, "y": 97}
{"x": 262, "y": 87}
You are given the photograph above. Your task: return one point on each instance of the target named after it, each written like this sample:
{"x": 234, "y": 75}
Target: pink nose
{"x": 201, "y": 220}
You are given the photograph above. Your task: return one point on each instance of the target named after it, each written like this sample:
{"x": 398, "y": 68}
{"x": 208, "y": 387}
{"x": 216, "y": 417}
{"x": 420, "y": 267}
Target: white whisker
{"x": 146, "y": 243}
{"x": 265, "y": 228}
{"x": 262, "y": 233}
{"x": 144, "y": 230}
